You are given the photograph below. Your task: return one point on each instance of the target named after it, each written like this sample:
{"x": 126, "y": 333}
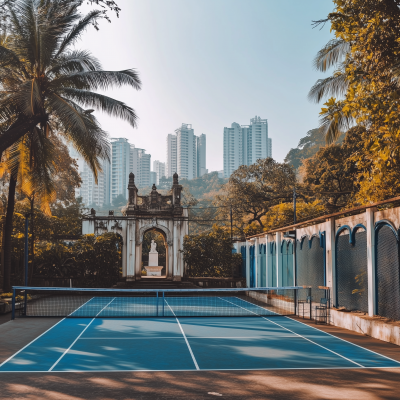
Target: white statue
{"x": 153, "y": 247}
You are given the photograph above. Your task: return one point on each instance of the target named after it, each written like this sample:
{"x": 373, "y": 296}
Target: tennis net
{"x": 129, "y": 303}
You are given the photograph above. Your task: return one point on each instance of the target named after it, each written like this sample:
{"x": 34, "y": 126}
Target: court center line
{"x": 309, "y": 340}
{"x": 87, "y": 326}
{"x": 336, "y": 337}
{"x": 19, "y": 351}
{"x": 184, "y": 336}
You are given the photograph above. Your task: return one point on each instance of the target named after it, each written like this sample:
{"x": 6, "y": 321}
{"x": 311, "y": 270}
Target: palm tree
{"x": 48, "y": 88}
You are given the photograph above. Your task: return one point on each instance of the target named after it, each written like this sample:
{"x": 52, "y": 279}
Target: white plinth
{"x": 153, "y": 270}
{"x": 153, "y": 259}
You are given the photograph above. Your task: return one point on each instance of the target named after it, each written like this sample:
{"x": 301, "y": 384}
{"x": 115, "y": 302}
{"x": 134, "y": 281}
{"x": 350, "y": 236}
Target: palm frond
{"x": 331, "y": 54}
{"x": 334, "y": 121}
{"x": 77, "y": 30}
{"x": 76, "y": 61}
{"x": 94, "y": 80}
{"x": 106, "y": 104}
{"x": 335, "y": 85}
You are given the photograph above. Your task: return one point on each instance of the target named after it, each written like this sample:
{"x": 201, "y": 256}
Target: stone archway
{"x": 142, "y": 213}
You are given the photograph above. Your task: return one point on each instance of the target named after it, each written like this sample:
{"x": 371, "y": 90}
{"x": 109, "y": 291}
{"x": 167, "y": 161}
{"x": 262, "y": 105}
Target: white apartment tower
{"x": 244, "y": 145}
{"x": 172, "y": 157}
{"x": 159, "y": 170}
{"x": 201, "y": 155}
{"x": 92, "y": 193}
{"x": 120, "y": 167}
{"x": 140, "y": 165}
{"x": 188, "y": 150}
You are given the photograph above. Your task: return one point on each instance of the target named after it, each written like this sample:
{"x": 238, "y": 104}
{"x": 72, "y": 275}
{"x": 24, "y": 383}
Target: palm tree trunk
{"x": 7, "y": 234}
{"x": 32, "y": 266}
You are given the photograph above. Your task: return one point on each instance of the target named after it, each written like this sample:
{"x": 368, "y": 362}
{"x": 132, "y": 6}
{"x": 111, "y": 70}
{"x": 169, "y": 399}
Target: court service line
{"x": 336, "y": 337}
{"x": 87, "y": 326}
{"x": 309, "y": 340}
{"x": 191, "y": 337}
{"x": 184, "y": 336}
{"x": 34, "y": 340}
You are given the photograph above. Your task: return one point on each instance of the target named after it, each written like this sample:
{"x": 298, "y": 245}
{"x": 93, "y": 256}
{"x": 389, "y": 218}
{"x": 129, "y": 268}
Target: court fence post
{"x": 295, "y": 301}
{"x": 13, "y": 305}
{"x": 163, "y": 302}
{"x": 310, "y": 302}
{"x": 157, "y": 305}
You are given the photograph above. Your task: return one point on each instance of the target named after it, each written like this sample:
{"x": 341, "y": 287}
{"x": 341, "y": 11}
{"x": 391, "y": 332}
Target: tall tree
{"x": 45, "y": 86}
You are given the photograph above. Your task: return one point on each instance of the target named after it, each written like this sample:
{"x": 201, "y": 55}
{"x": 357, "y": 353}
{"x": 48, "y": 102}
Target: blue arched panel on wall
{"x": 252, "y": 266}
{"x": 243, "y": 268}
{"x": 351, "y": 269}
{"x": 387, "y": 271}
{"x": 271, "y": 248}
{"x": 310, "y": 257}
{"x": 261, "y": 266}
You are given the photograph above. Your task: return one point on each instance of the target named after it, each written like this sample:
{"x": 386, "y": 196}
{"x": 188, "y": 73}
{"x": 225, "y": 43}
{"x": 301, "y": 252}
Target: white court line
{"x": 336, "y": 337}
{"x": 183, "y": 333}
{"x": 178, "y": 337}
{"x": 87, "y": 326}
{"x": 19, "y": 351}
{"x": 309, "y": 340}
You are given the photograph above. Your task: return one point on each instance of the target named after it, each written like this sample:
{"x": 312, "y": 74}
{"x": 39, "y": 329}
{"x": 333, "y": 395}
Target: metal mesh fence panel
{"x": 351, "y": 272}
{"x": 310, "y": 264}
{"x": 243, "y": 267}
{"x": 252, "y": 266}
{"x": 387, "y": 273}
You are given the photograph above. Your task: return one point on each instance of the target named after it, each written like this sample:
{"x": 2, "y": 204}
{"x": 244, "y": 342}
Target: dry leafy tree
{"x": 48, "y": 88}
{"x": 252, "y": 190}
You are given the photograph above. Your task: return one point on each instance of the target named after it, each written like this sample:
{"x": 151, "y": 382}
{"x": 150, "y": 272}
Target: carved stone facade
{"x": 143, "y": 213}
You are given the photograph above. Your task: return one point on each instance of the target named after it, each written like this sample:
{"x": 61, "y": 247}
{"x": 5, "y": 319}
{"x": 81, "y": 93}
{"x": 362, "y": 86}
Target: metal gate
{"x": 310, "y": 257}
{"x": 351, "y": 271}
{"x": 387, "y": 273}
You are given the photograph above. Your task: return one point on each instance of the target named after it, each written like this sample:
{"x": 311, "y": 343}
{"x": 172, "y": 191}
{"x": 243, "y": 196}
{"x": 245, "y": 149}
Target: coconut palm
{"x": 47, "y": 87}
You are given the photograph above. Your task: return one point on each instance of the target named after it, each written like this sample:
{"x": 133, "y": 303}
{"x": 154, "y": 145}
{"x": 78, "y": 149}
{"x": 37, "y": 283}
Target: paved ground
{"x": 303, "y": 384}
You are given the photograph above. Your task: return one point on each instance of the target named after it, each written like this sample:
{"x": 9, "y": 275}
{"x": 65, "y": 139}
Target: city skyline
{"x": 213, "y": 75}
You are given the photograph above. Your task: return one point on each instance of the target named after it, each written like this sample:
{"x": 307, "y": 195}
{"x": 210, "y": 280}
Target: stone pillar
{"x": 278, "y": 259}
{"x": 330, "y": 244}
{"x": 256, "y": 244}
{"x": 131, "y": 244}
{"x": 371, "y": 261}
{"x": 125, "y": 248}
{"x": 181, "y": 230}
{"x": 267, "y": 256}
{"x": 87, "y": 226}
{"x": 247, "y": 263}
{"x": 175, "y": 258}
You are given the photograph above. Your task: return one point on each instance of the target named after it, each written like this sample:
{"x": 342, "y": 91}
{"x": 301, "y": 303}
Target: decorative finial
{"x": 132, "y": 178}
{"x": 175, "y": 177}
{"x": 154, "y": 187}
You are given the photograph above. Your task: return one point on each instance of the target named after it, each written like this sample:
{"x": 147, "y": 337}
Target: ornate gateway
{"x": 143, "y": 213}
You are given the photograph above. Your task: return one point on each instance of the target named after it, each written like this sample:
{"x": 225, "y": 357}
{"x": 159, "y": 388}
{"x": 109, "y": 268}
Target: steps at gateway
{"x": 155, "y": 283}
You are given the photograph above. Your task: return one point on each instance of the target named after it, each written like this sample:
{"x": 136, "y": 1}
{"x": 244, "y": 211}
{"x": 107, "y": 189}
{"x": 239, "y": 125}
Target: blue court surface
{"x": 188, "y": 343}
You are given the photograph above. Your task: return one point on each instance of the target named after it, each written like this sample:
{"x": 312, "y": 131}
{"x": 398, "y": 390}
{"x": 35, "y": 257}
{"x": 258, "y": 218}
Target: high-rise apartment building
{"x": 140, "y": 165}
{"x": 92, "y": 193}
{"x": 188, "y": 150}
{"x": 153, "y": 178}
{"x": 120, "y": 167}
{"x": 201, "y": 155}
{"x": 244, "y": 145}
{"x": 159, "y": 170}
{"x": 172, "y": 156}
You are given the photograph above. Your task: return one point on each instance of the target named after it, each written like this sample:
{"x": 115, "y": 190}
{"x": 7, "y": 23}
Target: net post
{"x": 25, "y": 301}
{"x": 163, "y": 302}
{"x": 157, "y": 304}
{"x": 13, "y": 305}
{"x": 310, "y": 303}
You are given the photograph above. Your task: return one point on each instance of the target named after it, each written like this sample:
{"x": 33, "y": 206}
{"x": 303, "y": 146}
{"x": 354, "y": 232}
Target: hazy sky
{"x": 213, "y": 62}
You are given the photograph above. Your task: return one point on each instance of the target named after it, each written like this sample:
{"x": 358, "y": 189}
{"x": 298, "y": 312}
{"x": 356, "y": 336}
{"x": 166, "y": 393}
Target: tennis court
{"x": 191, "y": 333}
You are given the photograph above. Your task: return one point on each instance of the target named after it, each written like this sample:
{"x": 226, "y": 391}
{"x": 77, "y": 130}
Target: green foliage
{"x": 210, "y": 254}
{"x": 90, "y": 262}
{"x": 253, "y": 190}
